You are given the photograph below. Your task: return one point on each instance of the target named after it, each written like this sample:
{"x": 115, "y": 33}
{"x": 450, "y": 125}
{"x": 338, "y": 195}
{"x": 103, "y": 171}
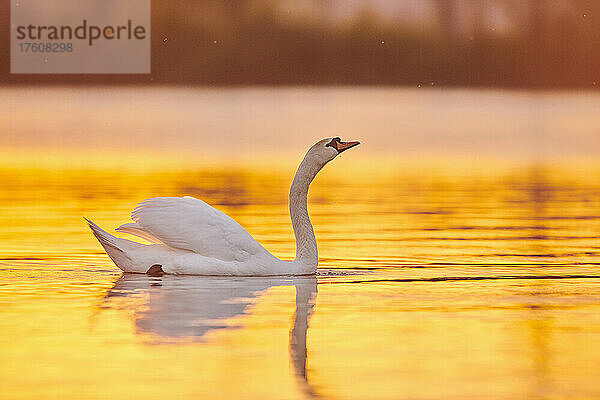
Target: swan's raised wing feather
{"x": 191, "y": 224}
{"x": 136, "y": 230}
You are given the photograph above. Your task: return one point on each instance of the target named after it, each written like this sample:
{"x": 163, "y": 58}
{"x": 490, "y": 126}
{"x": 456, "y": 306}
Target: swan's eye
{"x": 332, "y": 142}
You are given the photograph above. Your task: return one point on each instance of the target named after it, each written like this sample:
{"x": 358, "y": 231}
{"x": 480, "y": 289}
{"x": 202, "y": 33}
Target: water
{"x": 438, "y": 279}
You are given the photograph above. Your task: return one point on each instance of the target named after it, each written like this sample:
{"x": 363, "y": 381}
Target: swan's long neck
{"x": 306, "y": 243}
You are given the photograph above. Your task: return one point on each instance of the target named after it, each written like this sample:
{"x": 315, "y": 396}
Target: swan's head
{"x": 327, "y": 149}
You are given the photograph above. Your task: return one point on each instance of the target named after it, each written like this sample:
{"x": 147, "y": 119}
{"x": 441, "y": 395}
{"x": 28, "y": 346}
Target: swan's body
{"x": 190, "y": 237}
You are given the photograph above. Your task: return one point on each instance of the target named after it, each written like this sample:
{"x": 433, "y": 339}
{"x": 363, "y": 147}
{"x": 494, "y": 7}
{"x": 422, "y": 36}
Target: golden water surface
{"x": 442, "y": 280}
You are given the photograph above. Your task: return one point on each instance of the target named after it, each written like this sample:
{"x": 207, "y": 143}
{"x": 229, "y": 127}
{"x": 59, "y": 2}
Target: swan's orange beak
{"x": 343, "y": 146}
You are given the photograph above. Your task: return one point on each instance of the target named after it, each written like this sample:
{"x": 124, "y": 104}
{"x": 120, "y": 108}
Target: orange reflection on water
{"x": 460, "y": 280}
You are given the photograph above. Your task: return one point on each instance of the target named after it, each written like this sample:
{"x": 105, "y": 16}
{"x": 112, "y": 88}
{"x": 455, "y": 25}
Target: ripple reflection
{"x": 190, "y": 307}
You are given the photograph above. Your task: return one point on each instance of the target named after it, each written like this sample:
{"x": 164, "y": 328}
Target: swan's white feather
{"x": 134, "y": 229}
{"x": 191, "y": 237}
{"x": 190, "y": 224}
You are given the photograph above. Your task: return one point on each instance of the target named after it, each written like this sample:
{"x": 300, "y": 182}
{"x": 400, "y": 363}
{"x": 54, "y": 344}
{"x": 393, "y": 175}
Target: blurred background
{"x": 428, "y": 78}
{"x": 474, "y": 43}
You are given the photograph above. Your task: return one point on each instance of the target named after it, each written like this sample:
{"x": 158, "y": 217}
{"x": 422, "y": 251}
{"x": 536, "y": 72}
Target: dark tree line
{"x": 232, "y": 42}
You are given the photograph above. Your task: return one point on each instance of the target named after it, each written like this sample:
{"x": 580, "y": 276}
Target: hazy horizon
{"x": 237, "y": 122}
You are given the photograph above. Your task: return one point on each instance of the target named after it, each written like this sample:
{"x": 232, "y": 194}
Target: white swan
{"x": 192, "y": 238}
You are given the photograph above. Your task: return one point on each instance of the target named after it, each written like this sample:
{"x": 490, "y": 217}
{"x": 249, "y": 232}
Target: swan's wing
{"x": 191, "y": 224}
{"x": 136, "y": 230}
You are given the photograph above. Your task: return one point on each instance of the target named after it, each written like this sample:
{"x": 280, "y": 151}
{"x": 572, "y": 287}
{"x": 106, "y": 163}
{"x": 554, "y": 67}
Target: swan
{"x": 189, "y": 237}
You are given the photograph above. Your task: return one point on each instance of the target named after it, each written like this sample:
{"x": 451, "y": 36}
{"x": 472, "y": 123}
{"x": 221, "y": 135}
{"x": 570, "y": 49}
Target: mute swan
{"x": 189, "y": 237}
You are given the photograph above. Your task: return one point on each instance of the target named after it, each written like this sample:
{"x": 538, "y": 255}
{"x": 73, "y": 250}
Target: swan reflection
{"x": 192, "y": 306}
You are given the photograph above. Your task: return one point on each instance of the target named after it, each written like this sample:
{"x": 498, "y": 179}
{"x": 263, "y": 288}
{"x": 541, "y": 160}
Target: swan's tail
{"x": 112, "y": 245}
